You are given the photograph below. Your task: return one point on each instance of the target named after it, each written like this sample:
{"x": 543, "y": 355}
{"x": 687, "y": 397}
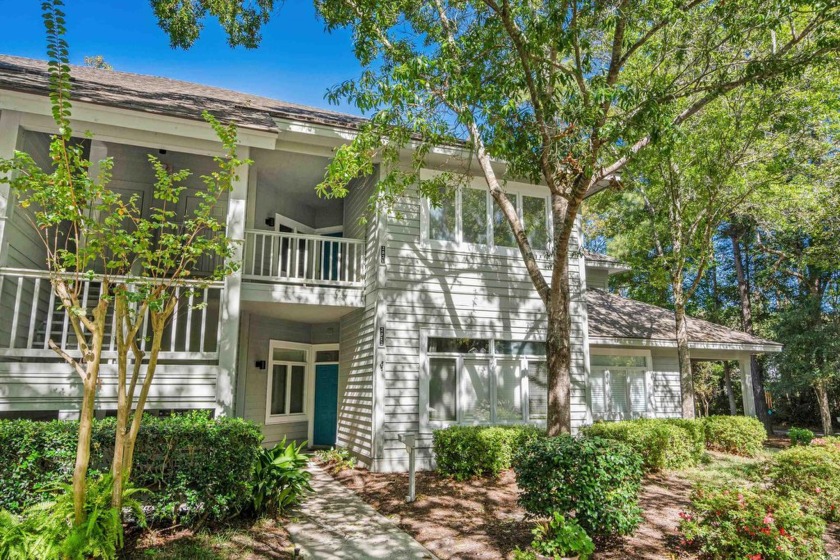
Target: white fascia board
{"x": 90, "y": 116}
{"x": 659, "y": 343}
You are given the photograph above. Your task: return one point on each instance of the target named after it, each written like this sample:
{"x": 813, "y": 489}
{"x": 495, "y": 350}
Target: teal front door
{"x": 326, "y": 404}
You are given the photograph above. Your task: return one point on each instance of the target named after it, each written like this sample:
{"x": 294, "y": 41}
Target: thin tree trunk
{"x": 558, "y": 352}
{"x": 825, "y": 410}
{"x": 747, "y": 327}
{"x": 730, "y": 393}
{"x": 683, "y": 354}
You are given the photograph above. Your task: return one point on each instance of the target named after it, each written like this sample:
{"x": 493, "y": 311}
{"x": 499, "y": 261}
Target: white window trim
{"x": 516, "y": 190}
{"x": 427, "y": 425}
{"x": 650, "y": 402}
{"x": 307, "y": 392}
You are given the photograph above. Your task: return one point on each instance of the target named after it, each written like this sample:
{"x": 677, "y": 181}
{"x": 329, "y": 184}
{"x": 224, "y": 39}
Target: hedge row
{"x": 662, "y": 443}
{"x": 466, "y": 451}
{"x": 192, "y": 466}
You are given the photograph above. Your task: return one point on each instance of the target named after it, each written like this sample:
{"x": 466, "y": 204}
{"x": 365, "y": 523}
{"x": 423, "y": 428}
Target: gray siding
{"x": 461, "y": 291}
{"x": 666, "y": 383}
{"x": 597, "y": 278}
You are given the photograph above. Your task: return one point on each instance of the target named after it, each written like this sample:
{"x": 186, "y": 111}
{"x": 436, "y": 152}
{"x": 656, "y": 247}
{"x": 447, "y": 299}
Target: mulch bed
{"x": 479, "y": 519}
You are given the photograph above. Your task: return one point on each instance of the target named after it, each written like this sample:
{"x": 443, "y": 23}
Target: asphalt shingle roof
{"x": 612, "y": 316}
{"x": 165, "y": 96}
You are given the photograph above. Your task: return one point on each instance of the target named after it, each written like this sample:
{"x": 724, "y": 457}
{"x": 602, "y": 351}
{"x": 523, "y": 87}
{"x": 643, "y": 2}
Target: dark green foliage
{"x": 466, "y": 451}
{"x": 662, "y": 443}
{"x": 597, "y": 480}
{"x": 811, "y": 476}
{"x": 280, "y": 478}
{"x": 194, "y": 467}
{"x": 800, "y": 436}
{"x": 743, "y": 523}
{"x": 46, "y": 530}
{"x": 562, "y": 537}
{"x": 740, "y": 435}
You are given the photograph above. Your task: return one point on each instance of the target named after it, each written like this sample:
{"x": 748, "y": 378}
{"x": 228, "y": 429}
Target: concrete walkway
{"x": 335, "y": 523}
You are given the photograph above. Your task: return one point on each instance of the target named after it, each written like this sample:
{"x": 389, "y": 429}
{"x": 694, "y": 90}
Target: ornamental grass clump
{"x": 595, "y": 480}
{"x": 724, "y": 524}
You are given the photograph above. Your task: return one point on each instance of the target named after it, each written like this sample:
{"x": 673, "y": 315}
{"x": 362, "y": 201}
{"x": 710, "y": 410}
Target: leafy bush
{"x": 739, "y": 435}
{"x": 742, "y": 523}
{"x": 559, "y": 537}
{"x": 800, "y": 436}
{"x": 336, "y": 459}
{"x": 466, "y": 451}
{"x": 195, "y": 468}
{"x": 662, "y": 443}
{"x": 280, "y": 478}
{"x": 811, "y": 475}
{"x": 46, "y": 530}
{"x": 827, "y": 441}
{"x": 597, "y": 480}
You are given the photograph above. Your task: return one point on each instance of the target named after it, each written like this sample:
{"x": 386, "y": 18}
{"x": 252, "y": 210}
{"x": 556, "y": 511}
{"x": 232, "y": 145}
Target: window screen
{"x": 443, "y": 387}
{"x": 508, "y": 391}
{"x": 459, "y": 345}
{"x": 474, "y": 216}
{"x": 533, "y": 212}
{"x": 279, "y": 378}
{"x": 502, "y": 232}
{"x": 296, "y": 389}
{"x": 442, "y": 221}
{"x": 476, "y": 381}
{"x": 537, "y": 390}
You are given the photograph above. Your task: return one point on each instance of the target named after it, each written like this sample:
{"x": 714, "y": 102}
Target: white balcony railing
{"x": 32, "y": 315}
{"x": 303, "y": 259}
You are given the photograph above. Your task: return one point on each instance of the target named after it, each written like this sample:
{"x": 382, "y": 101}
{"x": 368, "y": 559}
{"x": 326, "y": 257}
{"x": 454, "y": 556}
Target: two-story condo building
{"x": 335, "y": 330}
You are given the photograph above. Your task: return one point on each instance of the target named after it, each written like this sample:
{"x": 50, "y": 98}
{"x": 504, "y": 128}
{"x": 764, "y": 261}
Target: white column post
{"x": 9, "y": 134}
{"x": 229, "y": 316}
{"x": 745, "y": 365}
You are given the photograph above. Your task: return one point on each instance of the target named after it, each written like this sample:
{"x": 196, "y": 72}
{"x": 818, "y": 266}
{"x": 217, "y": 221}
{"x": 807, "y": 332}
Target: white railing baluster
{"x": 203, "y": 320}
{"x": 16, "y": 313}
{"x": 114, "y": 326}
{"x": 254, "y": 255}
{"x": 36, "y": 295}
{"x": 339, "y": 257}
{"x": 271, "y": 258}
{"x": 175, "y": 320}
{"x": 145, "y": 330}
{"x": 187, "y": 340}
{"x": 50, "y": 313}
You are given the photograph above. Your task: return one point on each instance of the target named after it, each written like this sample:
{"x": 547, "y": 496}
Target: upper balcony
{"x": 300, "y": 249}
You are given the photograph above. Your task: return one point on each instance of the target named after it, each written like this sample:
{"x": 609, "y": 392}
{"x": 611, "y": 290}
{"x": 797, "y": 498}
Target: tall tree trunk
{"x": 747, "y": 327}
{"x": 558, "y": 351}
{"x": 727, "y": 384}
{"x": 820, "y": 387}
{"x": 683, "y": 353}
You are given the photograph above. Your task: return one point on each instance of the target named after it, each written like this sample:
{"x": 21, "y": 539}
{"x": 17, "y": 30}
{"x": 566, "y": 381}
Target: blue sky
{"x": 297, "y": 60}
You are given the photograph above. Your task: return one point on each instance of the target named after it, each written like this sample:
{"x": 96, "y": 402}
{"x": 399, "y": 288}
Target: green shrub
{"x": 336, "y": 459}
{"x": 466, "y": 451}
{"x": 662, "y": 443}
{"x": 800, "y": 436}
{"x": 562, "y": 537}
{"x": 827, "y": 441}
{"x": 594, "y": 479}
{"x": 742, "y": 523}
{"x": 280, "y": 478}
{"x": 192, "y": 466}
{"x": 739, "y": 435}
{"x": 811, "y": 475}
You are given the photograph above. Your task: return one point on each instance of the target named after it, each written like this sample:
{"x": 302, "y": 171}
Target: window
{"x": 286, "y": 382}
{"x": 463, "y": 214}
{"x": 480, "y": 380}
{"x": 618, "y": 386}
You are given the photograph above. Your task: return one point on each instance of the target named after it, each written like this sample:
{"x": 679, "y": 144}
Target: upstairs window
{"x": 469, "y": 215}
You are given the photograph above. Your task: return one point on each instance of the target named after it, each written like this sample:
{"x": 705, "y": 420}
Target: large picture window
{"x": 618, "y": 386}
{"x": 469, "y": 215}
{"x": 484, "y": 381}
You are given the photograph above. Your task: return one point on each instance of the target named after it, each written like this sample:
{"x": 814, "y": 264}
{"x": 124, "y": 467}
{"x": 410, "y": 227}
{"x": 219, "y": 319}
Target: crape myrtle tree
{"x": 565, "y": 94}
{"x": 142, "y": 263}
